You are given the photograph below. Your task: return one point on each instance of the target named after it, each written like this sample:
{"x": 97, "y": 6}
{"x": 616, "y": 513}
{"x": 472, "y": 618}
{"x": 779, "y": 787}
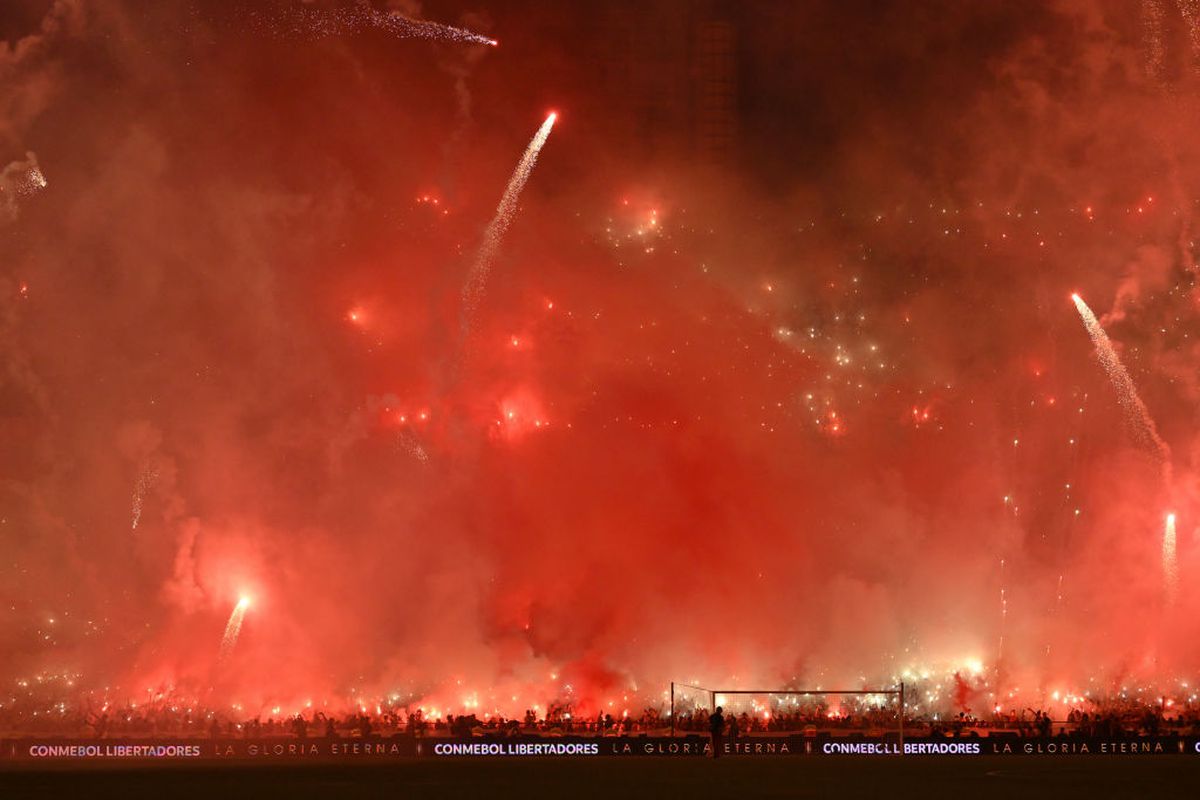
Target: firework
{"x": 477, "y": 277}
{"x": 1145, "y": 432}
{"x": 320, "y": 23}
{"x": 1170, "y": 566}
{"x": 19, "y": 179}
{"x": 1153, "y": 13}
{"x": 145, "y": 481}
{"x": 1003, "y": 614}
{"x": 32, "y": 182}
{"x": 409, "y": 442}
{"x": 233, "y": 628}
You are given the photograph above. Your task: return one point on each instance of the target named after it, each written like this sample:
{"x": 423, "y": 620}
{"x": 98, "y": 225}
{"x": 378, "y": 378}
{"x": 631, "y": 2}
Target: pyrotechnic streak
{"x": 1003, "y": 614}
{"x": 476, "y": 282}
{"x": 1189, "y": 12}
{"x": 1170, "y": 565}
{"x": 145, "y": 480}
{"x": 356, "y": 18}
{"x": 233, "y": 628}
{"x": 1058, "y": 596}
{"x": 410, "y": 443}
{"x": 1152, "y": 36}
{"x": 32, "y": 182}
{"x": 19, "y": 179}
{"x": 1141, "y": 423}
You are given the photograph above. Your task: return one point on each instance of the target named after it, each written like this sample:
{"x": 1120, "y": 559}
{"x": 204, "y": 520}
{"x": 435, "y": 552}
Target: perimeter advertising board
{"x": 375, "y": 749}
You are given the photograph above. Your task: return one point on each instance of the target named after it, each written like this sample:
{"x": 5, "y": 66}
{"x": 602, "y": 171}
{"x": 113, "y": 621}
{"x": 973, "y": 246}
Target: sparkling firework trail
{"x": 409, "y": 442}
{"x": 1153, "y": 13}
{"x": 1003, "y": 614}
{"x": 1142, "y": 424}
{"x": 477, "y": 278}
{"x": 33, "y": 181}
{"x": 1170, "y": 565}
{"x": 19, "y": 179}
{"x": 339, "y": 22}
{"x": 145, "y": 481}
{"x": 232, "y": 629}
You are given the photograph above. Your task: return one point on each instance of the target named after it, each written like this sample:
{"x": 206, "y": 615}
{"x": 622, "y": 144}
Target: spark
{"x": 476, "y": 281}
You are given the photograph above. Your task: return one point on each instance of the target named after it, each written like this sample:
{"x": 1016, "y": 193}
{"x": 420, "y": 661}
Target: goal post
{"x": 711, "y": 698}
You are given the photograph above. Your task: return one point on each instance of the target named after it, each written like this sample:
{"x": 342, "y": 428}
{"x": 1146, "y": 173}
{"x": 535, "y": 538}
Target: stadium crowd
{"x": 178, "y": 721}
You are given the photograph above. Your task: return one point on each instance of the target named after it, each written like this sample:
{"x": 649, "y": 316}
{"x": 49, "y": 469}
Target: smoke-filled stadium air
{"x": 774, "y": 383}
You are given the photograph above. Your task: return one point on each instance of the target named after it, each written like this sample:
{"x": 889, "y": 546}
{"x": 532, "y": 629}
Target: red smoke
{"x": 756, "y": 427}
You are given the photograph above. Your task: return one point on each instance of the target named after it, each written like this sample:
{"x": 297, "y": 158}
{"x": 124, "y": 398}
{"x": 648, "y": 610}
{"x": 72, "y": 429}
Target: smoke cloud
{"x": 778, "y": 420}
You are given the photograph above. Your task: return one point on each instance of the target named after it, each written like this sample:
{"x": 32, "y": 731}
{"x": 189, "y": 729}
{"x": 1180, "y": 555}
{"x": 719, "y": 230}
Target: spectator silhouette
{"x": 716, "y": 726}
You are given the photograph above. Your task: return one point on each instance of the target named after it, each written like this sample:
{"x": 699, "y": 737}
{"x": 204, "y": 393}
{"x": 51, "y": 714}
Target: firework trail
{"x": 1145, "y": 432}
{"x": 321, "y": 23}
{"x": 1189, "y": 13}
{"x": 409, "y": 442}
{"x": 477, "y": 277}
{"x": 1170, "y": 566}
{"x": 1153, "y": 13}
{"x": 19, "y": 179}
{"x": 145, "y": 481}
{"x": 232, "y": 629}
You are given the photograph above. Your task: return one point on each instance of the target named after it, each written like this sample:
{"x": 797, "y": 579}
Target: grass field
{"x": 926, "y": 778}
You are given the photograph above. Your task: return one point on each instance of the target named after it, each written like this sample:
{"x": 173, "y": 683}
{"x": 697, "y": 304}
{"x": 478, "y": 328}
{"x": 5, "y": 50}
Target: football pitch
{"x": 918, "y": 777}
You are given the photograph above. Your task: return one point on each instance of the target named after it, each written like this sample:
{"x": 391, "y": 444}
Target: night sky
{"x": 809, "y": 404}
